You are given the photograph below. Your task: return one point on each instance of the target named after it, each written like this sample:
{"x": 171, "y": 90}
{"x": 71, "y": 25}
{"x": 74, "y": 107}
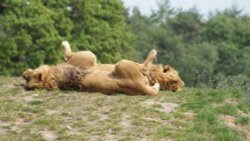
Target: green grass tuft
{"x": 243, "y": 120}
{"x": 227, "y": 109}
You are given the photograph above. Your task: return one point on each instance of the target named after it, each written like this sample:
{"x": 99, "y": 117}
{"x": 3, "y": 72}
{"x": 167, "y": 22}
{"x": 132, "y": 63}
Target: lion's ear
{"x": 27, "y": 74}
{"x": 166, "y": 68}
{"x": 39, "y": 76}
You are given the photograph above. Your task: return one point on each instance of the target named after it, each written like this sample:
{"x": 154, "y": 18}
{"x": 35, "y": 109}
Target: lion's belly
{"x": 100, "y": 81}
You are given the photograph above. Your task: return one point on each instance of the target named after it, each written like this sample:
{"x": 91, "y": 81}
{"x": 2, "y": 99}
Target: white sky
{"x": 203, "y": 6}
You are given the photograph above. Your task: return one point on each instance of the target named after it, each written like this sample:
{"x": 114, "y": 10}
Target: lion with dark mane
{"x": 166, "y": 76}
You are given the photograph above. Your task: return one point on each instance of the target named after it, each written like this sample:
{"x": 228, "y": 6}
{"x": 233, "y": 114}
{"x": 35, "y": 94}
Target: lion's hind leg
{"x": 81, "y": 59}
{"x": 67, "y": 50}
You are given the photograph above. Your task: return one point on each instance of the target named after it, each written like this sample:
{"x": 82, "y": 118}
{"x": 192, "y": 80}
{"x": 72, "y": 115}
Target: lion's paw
{"x": 65, "y": 43}
{"x": 156, "y": 86}
{"x": 153, "y": 53}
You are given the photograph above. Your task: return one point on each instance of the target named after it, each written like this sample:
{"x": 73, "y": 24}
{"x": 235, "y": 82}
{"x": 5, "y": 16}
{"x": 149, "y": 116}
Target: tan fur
{"x": 127, "y": 77}
{"x": 167, "y": 76}
{"x": 62, "y": 76}
{"x": 81, "y": 59}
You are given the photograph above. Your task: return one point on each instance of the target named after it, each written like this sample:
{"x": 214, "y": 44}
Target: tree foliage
{"x": 100, "y": 27}
{"x": 204, "y": 51}
{"x": 31, "y": 31}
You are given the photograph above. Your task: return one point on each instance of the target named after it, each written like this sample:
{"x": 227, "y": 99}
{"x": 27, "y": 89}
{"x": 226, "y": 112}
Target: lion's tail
{"x": 67, "y": 50}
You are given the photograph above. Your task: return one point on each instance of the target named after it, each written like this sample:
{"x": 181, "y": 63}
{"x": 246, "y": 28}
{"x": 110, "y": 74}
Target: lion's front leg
{"x": 148, "y": 61}
{"x": 150, "y": 58}
{"x": 156, "y": 86}
{"x": 150, "y": 90}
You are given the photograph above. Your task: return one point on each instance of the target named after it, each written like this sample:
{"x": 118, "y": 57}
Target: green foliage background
{"x": 206, "y": 50}
{"x": 32, "y": 31}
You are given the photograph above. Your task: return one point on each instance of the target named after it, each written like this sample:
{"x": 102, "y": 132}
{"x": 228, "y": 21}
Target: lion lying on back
{"x": 127, "y": 77}
{"x": 167, "y": 76}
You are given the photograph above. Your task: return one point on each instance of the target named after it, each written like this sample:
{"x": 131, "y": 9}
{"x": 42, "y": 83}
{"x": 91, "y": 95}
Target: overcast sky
{"x": 203, "y": 6}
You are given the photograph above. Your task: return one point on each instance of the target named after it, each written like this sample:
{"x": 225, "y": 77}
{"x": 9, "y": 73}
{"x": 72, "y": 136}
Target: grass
{"x": 196, "y": 115}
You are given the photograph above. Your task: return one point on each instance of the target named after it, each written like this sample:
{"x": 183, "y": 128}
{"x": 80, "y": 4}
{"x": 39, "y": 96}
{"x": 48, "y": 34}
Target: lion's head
{"x": 35, "y": 77}
{"x": 167, "y": 76}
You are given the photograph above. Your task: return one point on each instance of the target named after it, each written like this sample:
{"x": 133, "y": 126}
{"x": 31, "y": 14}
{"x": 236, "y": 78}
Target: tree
{"x": 201, "y": 50}
{"x": 188, "y": 25}
{"x": 32, "y": 31}
{"x": 228, "y": 31}
{"x": 100, "y": 26}
{"x": 163, "y": 13}
{"x": 143, "y": 29}
{"x": 31, "y": 36}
